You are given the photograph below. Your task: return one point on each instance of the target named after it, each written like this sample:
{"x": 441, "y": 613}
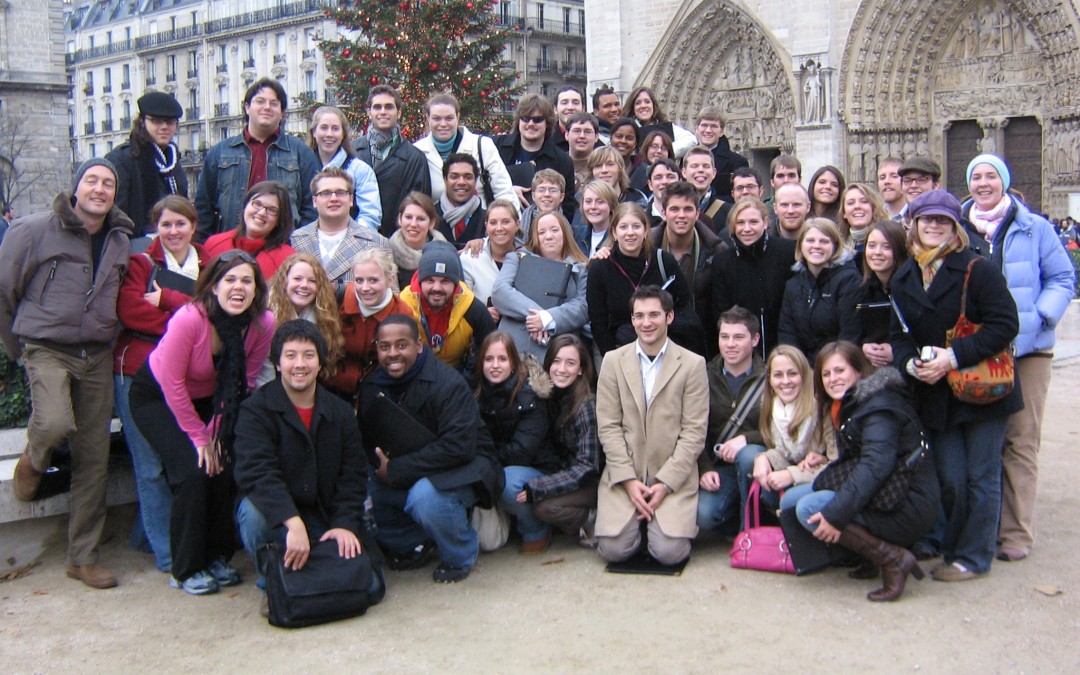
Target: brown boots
{"x": 895, "y": 562}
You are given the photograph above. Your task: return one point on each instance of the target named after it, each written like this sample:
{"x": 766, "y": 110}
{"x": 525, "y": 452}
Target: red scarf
{"x": 436, "y": 323}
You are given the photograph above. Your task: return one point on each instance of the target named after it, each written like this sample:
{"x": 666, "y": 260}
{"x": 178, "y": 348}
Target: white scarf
{"x": 190, "y": 266}
{"x": 369, "y": 312}
{"x": 165, "y": 166}
{"x": 986, "y": 222}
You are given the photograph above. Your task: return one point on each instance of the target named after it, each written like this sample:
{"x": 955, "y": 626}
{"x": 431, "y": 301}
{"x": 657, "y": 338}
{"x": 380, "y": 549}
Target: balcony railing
{"x": 151, "y": 81}
{"x": 309, "y": 95}
{"x": 125, "y": 85}
{"x": 106, "y": 125}
{"x": 288, "y": 11}
{"x": 573, "y": 69}
{"x": 106, "y": 89}
{"x": 170, "y": 77}
{"x": 89, "y": 128}
{"x": 88, "y": 90}
{"x": 309, "y": 54}
{"x": 249, "y": 63}
{"x": 551, "y": 26}
{"x": 191, "y": 114}
{"x": 221, "y": 110}
{"x": 125, "y": 123}
{"x": 279, "y": 58}
{"x": 222, "y": 68}
{"x": 192, "y": 73}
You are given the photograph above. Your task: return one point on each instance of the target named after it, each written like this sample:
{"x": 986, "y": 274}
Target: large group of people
{"x": 595, "y": 326}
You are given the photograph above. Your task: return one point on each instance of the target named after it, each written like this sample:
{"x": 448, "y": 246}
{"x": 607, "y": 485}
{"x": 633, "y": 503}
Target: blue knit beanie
{"x": 997, "y": 163}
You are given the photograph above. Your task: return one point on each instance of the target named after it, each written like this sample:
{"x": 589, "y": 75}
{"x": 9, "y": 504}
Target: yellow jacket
{"x": 468, "y": 319}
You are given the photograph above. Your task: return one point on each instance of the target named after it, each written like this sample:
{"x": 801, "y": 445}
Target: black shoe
{"x": 923, "y": 552}
{"x": 446, "y": 573}
{"x": 414, "y": 558}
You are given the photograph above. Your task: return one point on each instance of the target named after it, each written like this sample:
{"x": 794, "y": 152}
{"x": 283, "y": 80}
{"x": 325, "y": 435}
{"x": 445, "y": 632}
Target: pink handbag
{"x": 757, "y": 547}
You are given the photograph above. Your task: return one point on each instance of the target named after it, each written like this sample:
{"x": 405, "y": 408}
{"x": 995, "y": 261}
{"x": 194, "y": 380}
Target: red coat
{"x": 269, "y": 260}
{"x": 139, "y": 316}
{"x": 359, "y": 334}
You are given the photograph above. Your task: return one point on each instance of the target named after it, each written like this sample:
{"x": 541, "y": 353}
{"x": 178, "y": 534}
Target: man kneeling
{"x": 652, "y": 409}
{"x": 300, "y": 462}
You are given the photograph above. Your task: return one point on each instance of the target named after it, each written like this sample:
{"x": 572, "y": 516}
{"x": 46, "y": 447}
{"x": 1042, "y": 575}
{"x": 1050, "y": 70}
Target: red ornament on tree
{"x": 347, "y": 53}
{"x": 374, "y": 80}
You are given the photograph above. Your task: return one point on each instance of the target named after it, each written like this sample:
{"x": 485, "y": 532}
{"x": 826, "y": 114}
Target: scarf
{"x": 166, "y": 165}
{"x": 457, "y": 217}
{"x": 368, "y": 312}
{"x": 929, "y": 260}
{"x": 444, "y": 148}
{"x": 436, "y": 323}
{"x": 382, "y": 143}
{"x": 231, "y": 366}
{"x": 395, "y": 388}
{"x": 189, "y": 268}
{"x": 987, "y": 222}
{"x": 858, "y": 237}
{"x": 406, "y": 257}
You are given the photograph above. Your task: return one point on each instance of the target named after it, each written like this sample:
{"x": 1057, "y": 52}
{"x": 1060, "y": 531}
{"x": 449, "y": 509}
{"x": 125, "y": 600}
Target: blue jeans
{"x": 155, "y": 497}
{"x": 968, "y": 459}
{"x": 255, "y": 532}
{"x": 794, "y": 493}
{"x": 812, "y": 503}
{"x": 530, "y": 527}
{"x": 720, "y": 510}
{"x": 744, "y": 466}
{"x": 407, "y": 518}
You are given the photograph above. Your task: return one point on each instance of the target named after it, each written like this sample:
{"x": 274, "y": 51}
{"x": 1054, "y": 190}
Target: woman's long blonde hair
{"x": 804, "y": 402}
{"x": 327, "y": 319}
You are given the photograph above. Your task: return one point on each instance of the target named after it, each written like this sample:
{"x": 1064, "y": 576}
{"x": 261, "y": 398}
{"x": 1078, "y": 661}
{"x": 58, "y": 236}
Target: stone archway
{"x": 911, "y": 69}
{"x": 719, "y": 55}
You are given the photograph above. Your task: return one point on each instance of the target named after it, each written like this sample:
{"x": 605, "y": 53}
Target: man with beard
{"x": 453, "y": 321}
{"x": 791, "y": 204}
{"x": 888, "y": 184}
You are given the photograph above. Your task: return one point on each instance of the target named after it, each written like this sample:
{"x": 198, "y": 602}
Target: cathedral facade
{"x": 849, "y": 82}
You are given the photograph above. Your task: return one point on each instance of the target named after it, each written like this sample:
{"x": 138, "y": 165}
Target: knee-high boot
{"x": 895, "y": 562}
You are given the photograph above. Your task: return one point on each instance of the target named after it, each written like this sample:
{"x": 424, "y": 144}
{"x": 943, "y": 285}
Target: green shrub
{"x": 14, "y": 393}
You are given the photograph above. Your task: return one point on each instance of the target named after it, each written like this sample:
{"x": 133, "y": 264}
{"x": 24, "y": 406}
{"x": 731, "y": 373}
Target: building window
{"x": 309, "y": 83}
{"x": 108, "y": 37}
{"x": 566, "y": 19}
{"x": 540, "y": 15}
{"x": 93, "y": 150}
{"x": 223, "y": 93}
{"x": 108, "y": 113}
{"x": 91, "y": 42}
{"x": 279, "y": 41}
{"x": 107, "y": 87}
{"x": 126, "y": 83}
{"x": 151, "y": 71}
{"x": 170, "y": 68}
{"x": 581, "y": 21}
{"x": 108, "y": 146}
{"x": 504, "y": 12}
{"x": 251, "y": 49}
{"x": 127, "y": 33}
{"x": 543, "y": 57}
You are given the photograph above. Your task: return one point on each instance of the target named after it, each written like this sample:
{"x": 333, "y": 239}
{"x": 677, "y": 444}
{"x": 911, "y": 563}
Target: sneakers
{"x": 224, "y": 573}
{"x": 1011, "y": 554}
{"x": 414, "y": 558}
{"x": 446, "y": 573}
{"x": 200, "y": 583}
{"x": 94, "y": 576}
{"x": 953, "y": 572}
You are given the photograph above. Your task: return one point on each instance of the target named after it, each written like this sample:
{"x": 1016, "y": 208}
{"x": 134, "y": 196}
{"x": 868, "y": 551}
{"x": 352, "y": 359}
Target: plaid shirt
{"x": 579, "y": 449}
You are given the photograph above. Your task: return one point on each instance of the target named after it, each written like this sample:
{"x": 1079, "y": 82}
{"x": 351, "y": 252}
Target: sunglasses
{"x": 229, "y": 256}
{"x": 535, "y": 119}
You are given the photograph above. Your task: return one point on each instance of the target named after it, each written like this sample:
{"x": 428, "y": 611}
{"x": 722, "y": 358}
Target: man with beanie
{"x": 452, "y": 321}
{"x": 148, "y": 165}
{"x": 60, "y": 272}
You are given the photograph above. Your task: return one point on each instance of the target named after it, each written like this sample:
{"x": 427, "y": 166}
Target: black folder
{"x": 543, "y": 281}
{"x": 171, "y": 280}
{"x": 875, "y": 318}
{"x": 388, "y": 426}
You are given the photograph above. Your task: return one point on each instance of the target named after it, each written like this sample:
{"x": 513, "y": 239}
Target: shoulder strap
{"x": 714, "y": 208}
{"x": 964, "y": 293}
{"x": 745, "y": 405}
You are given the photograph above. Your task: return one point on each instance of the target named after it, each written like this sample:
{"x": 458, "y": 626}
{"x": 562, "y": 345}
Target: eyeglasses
{"x": 581, "y": 132}
{"x": 741, "y": 189}
{"x": 535, "y": 119}
{"x": 546, "y": 191}
{"x": 916, "y": 180}
{"x": 327, "y": 194}
{"x": 162, "y": 121}
{"x": 259, "y": 206}
{"x": 229, "y": 256}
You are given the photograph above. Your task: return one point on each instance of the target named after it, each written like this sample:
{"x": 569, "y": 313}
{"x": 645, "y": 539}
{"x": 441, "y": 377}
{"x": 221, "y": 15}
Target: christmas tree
{"x": 422, "y": 47}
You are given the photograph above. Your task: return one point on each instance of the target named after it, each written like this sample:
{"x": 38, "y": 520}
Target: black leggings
{"x": 201, "y": 525}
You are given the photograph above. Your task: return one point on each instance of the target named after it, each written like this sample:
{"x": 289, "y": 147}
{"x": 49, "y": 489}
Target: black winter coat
{"x": 818, "y": 310}
{"x": 439, "y": 399}
{"x": 519, "y": 428}
{"x": 287, "y": 471}
{"x": 608, "y": 293}
{"x": 140, "y": 185}
{"x": 878, "y": 428}
{"x": 403, "y": 171}
{"x": 929, "y": 313}
{"x": 549, "y": 156}
{"x": 754, "y": 277}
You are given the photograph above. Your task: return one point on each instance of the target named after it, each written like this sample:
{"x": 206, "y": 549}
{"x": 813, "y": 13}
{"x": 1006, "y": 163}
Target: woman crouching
{"x": 881, "y": 494}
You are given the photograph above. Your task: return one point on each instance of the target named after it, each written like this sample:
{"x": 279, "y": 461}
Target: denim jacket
{"x": 224, "y": 178}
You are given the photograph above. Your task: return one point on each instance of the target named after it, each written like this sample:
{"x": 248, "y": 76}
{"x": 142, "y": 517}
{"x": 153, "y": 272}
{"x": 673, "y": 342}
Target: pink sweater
{"x": 183, "y": 364}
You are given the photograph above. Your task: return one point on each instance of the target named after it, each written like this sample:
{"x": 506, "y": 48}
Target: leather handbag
{"x": 757, "y": 547}
{"x": 327, "y": 588}
{"x": 988, "y": 380}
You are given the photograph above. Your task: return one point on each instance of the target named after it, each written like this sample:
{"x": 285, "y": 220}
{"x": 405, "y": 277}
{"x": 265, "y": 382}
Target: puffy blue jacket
{"x": 1040, "y": 275}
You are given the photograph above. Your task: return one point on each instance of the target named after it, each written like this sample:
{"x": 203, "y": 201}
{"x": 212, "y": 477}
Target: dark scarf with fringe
{"x": 231, "y": 365}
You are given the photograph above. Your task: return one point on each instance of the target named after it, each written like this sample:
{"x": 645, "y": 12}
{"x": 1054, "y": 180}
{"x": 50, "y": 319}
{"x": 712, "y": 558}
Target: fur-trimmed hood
{"x": 539, "y": 380}
{"x": 884, "y": 378}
